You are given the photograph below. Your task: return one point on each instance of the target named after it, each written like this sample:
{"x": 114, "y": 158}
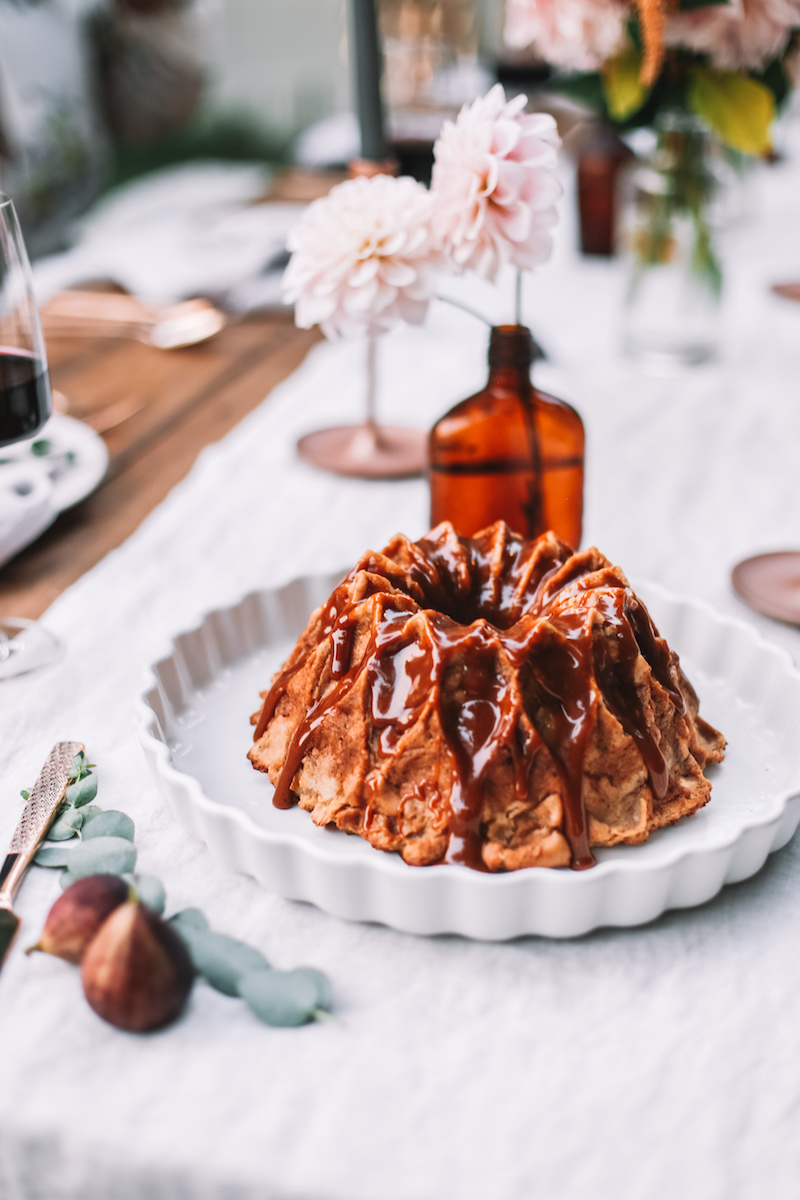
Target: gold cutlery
{"x": 116, "y": 314}
{"x": 37, "y": 816}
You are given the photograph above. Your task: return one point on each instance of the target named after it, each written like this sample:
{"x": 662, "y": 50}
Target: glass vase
{"x": 671, "y": 236}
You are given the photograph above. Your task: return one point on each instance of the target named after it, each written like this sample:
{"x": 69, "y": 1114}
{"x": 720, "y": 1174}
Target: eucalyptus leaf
{"x": 82, "y": 791}
{"x": 150, "y": 891}
{"x": 319, "y": 980}
{"x": 102, "y": 856}
{"x": 189, "y": 920}
{"x": 109, "y": 822}
{"x": 280, "y": 997}
{"x": 66, "y": 826}
{"x": 90, "y": 811}
{"x": 76, "y": 766}
{"x": 222, "y": 960}
{"x": 53, "y": 856}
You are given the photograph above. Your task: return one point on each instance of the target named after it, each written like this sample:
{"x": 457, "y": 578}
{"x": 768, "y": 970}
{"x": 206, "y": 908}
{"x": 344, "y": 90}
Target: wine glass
{"x": 25, "y": 405}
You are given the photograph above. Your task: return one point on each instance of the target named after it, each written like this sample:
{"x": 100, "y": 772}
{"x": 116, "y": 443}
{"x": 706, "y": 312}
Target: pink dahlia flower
{"x": 579, "y": 34}
{"x": 494, "y": 186}
{"x": 742, "y": 35}
{"x": 363, "y": 258}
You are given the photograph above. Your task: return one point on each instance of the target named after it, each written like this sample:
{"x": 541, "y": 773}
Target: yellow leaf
{"x": 624, "y": 92}
{"x": 738, "y": 109}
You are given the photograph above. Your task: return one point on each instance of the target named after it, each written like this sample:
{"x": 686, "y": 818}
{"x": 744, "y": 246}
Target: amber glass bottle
{"x": 509, "y": 453}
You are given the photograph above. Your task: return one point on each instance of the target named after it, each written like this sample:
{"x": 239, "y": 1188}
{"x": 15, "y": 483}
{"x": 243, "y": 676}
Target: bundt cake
{"x": 491, "y": 701}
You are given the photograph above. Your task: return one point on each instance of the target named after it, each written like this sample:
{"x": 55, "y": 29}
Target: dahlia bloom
{"x": 579, "y": 34}
{"x": 742, "y": 35}
{"x": 494, "y": 186}
{"x": 363, "y": 258}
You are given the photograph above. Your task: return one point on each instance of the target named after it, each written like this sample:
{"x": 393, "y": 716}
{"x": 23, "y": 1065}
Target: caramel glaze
{"x": 508, "y": 633}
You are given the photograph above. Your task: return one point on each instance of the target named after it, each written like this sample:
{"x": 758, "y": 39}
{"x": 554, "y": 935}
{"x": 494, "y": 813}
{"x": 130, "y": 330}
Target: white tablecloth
{"x": 642, "y": 1064}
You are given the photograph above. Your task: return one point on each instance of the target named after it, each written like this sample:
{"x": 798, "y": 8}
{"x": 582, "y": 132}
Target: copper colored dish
{"x": 770, "y": 583}
{"x": 789, "y": 291}
{"x": 367, "y": 451}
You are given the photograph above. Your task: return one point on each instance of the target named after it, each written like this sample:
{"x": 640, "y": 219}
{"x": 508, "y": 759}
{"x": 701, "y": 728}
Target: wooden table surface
{"x": 156, "y": 410}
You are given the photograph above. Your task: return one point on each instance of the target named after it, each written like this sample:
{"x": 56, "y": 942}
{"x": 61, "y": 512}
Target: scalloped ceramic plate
{"x": 195, "y": 732}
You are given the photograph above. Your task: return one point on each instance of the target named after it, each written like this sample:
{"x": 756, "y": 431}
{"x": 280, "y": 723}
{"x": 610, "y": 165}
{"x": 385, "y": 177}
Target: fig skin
{"x": 78, "y": 914}
{"x": 137, "y": 973}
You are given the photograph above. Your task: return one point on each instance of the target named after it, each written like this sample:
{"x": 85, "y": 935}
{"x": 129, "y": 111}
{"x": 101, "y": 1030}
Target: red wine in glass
{"x": 25, "y": 405}
{"x": 25, "y": 402}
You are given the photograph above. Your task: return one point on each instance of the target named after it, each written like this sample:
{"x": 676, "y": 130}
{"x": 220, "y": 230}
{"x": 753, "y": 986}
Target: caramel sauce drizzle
{"x": 576, "y": 631}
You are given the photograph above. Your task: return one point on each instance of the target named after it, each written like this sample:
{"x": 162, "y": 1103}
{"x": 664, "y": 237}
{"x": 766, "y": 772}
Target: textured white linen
{"x": 638, "y": 1065}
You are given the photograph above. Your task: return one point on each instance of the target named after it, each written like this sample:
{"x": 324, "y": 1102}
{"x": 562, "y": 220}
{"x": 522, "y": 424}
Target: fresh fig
{"x": 136, "y": 972}
{"x": 77, "y": 915}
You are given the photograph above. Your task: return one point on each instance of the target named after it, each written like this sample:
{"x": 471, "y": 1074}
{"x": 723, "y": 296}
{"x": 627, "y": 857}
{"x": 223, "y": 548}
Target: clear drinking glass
{"x": 25, "y": 405}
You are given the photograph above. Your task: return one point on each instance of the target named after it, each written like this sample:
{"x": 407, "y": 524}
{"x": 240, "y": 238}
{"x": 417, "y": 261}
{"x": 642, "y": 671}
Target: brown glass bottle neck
{"x": 511, "y": 346}
{"x": 511, "y": 353}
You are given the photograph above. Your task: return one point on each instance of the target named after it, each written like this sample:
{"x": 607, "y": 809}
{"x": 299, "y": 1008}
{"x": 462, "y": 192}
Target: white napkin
{"x": 187, "y": 231}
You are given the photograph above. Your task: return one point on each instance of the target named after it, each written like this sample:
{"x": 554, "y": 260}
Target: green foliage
{"x": 221, "y": 960}
{"x": 584, "y": 88}
{"x": 79, "y": 767}
{"x": 319, "y": 981}
{"x": 150, "y": 891}
{"x": 189, "y": 919}
{"x": 82, "y": 791}
{"x": 101, "y": 856}
{"x": 776, "y": 80}
{"x": 590, "y": 89}
{"x": 109, "y": 823}
{"x": 52, "y": 856}
{"x": 738, "y": 109}
{"x": 67, "y": 826}
{"x": 231, "y": 136}
{"x": 282, "y": 998}
{"x": 624, "y": 93}
{"x": 89, "y": 812}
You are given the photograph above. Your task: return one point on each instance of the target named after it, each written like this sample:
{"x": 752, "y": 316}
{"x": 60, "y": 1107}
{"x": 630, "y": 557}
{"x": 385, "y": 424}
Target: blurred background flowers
{"x": 662, "y": 104}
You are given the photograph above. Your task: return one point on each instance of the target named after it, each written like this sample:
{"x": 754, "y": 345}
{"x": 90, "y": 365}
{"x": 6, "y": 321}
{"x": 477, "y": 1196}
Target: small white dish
{"x": 26, "y": 505}
{"x": 194, "y": 729}
{"x": 66, "y": 460}
{"x": 75, "y": 457}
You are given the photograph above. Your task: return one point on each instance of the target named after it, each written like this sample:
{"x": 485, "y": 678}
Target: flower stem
{"x": 518, "y": 300}
{"x": 465, "y": 308}
{"x": 372, "y": 385}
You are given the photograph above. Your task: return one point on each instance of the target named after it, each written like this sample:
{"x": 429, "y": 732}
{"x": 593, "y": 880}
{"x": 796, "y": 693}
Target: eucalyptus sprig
{"x": 276, "y": 997}
{"x": 104, "y": 845}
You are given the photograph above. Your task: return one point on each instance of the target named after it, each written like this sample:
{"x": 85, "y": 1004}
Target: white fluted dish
{"x": 195, "y": 732}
